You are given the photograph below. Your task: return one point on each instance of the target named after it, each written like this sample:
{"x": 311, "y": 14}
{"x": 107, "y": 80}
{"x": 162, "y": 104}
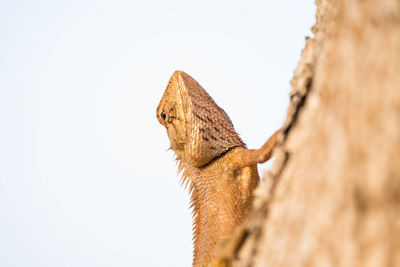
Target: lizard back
{"x": 222, "y": 196}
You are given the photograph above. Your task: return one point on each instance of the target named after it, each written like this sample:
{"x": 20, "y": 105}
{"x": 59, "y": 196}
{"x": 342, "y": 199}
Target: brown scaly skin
{"x": 221, "y": 172}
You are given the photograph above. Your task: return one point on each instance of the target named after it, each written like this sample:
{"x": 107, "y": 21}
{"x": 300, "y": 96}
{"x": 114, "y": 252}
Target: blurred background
{"x": 85, "y": 175}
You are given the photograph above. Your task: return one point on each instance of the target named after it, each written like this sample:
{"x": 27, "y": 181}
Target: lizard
{"x": 213, "y": 161}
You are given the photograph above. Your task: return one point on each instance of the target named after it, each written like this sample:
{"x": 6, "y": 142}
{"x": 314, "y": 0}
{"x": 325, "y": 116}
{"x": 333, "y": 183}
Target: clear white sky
{"x": 85, "y": 178}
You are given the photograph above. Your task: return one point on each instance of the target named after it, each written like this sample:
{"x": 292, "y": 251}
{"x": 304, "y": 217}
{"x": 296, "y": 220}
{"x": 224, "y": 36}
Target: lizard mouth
{"x": 177, "y": 146}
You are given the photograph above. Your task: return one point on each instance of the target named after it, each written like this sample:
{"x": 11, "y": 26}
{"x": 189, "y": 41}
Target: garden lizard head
{"x": 198, "y": 129}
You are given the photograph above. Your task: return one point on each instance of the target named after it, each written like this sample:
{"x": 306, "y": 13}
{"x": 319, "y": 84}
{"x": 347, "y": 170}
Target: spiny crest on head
{"x": 209, "y": 130}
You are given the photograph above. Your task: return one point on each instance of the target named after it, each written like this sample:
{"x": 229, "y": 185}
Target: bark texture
{"x": 332, "y": 196}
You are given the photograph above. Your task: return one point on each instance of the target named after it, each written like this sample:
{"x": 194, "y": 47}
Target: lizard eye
{"x": 163, "y": 116}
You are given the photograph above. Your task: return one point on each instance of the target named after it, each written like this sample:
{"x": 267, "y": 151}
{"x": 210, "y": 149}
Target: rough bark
{"x": 332, "y": 196}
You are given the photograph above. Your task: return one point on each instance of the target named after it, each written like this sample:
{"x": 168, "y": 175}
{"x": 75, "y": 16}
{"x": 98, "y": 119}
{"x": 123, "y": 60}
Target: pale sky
{"x": 85, "y": 175}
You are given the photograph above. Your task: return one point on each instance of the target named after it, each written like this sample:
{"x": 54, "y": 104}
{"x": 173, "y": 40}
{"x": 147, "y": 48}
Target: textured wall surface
{"x": 332, "y": 196}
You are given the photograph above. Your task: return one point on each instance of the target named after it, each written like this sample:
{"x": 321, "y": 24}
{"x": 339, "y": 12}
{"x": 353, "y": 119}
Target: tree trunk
{"x": 332, "y": 196}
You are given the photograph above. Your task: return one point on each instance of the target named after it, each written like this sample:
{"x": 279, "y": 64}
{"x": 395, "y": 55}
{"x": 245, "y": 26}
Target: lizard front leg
{"x": 251, "y": 157}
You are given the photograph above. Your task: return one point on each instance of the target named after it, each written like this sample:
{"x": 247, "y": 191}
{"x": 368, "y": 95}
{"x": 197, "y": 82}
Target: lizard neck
{"x": 221, "y": 194}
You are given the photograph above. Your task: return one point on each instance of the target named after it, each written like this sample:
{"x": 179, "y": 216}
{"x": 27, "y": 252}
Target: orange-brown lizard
{"x": 221, "y": 172}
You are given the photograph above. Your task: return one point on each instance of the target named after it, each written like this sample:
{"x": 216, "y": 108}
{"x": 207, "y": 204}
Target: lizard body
{"x": 214, "y": 161}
